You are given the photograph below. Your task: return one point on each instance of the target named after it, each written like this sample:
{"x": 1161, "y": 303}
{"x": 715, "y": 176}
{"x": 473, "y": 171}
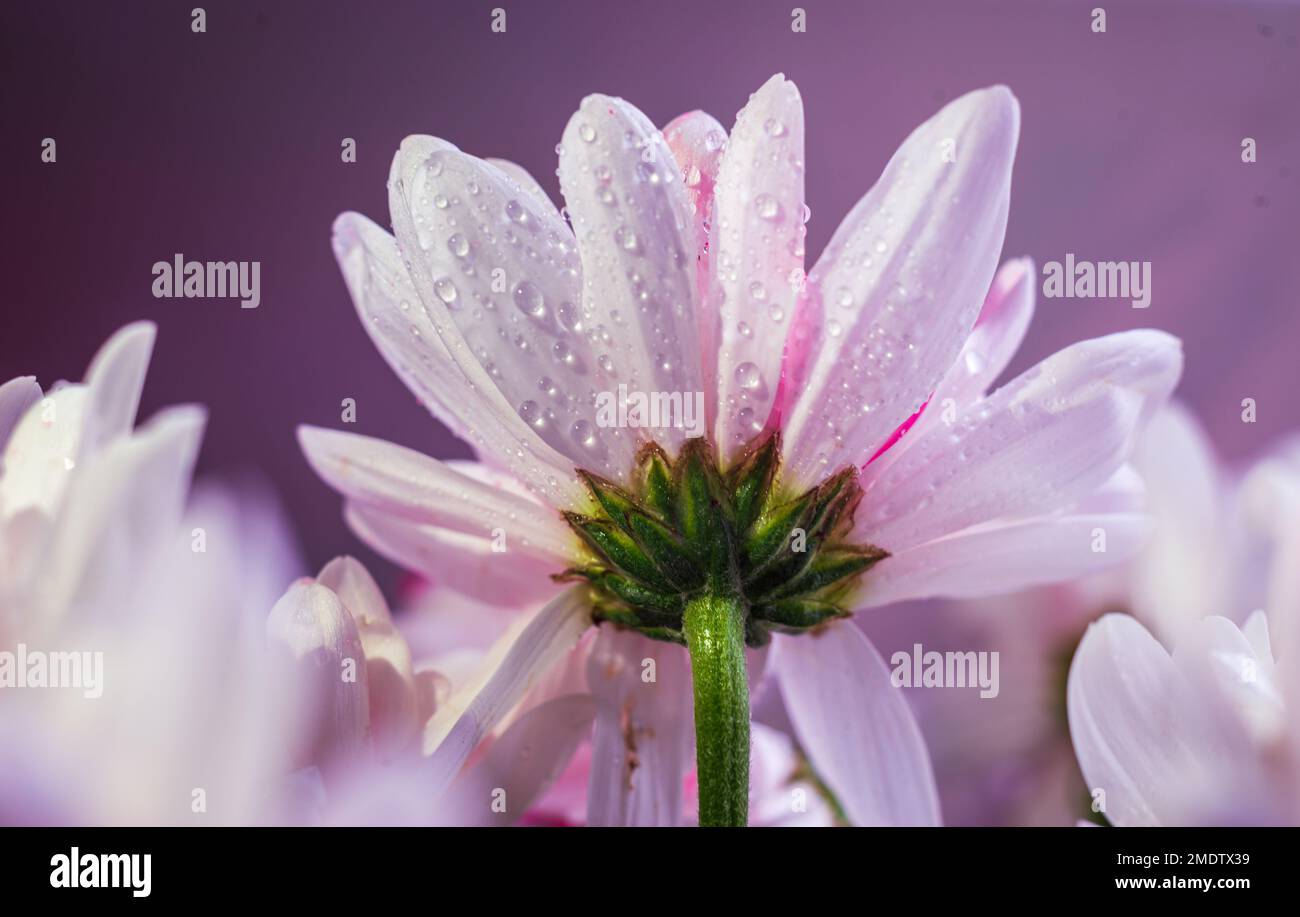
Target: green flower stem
{"x": 715, "y": 635}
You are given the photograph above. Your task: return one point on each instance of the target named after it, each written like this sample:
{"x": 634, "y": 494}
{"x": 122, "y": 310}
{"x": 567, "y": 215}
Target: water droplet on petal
{"x": 458, "y": 245}
{"x": 769, "y": 208}
{"x": 627, "y": 239}
{"x": 446, "y": 290}
{"x": 529, "y": 299}
{"x": 748, "y": 376}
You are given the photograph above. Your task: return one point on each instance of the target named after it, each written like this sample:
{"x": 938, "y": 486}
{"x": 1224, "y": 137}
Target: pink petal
{"x": 475, "y": 709}
{"x": 1038, "y": 444}
{"x": 320, "y": 646}
{"x": 641, "y": 746}
{"x": 402, "y": 483}
{"x": 856, "y": 726}
{"x": 386, "y": 300}
{"x": 394, "y": 718}
{"x": 1003, "y": 558}
{"x": 631, "y": 216}
{"x": 1138, "y": 733}
{"x": 520, "y": 766}
{"x": 697, "y": 141}
{"x": 497, "y": 310}
{"x": 758, "y": 244}
{"x": 1184, "y": 575}
{"x": 898, "y": 289}
{"x": 467, "y": 563}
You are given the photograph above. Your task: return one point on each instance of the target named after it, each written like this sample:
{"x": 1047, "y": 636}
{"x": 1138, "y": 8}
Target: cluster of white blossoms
{"x": 603, "y": 604}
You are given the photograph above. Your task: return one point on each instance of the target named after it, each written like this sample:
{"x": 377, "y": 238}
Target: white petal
{"x": 1003, "y": 321}
{"x": 1137, "y": 732}
{"x": 856, "y": 726}
{"x": 16, "y": 396}
{"x": 697, "y": 142}
{"x": 899, "y": 287}
{"x": 642, "y": 741}
{"x": 320, "y": 645}
{"x": 634, "y": 228}
{"x": 501, "y": 285}
{"x": 1003, "y": 558}
{"x": 118, "y": 506}
{"x": 393, "y": 314}
{"x": 407, "y": 485}
{"x": 1001, "y": 326}
{"x": 520, "y": 766}
{"x": 1040, "y": 443}
{"x": 526, "y": 183}
{"x": 1233, "y": 679}
{"x": 1183, "y": 576}
{"x": 1256, "y": 632}
{"x": 394, "y": 716}
{"x": 114, "y": 382}
{"x": 42, "y": 451}
{"x": 469, "y": 564}
{"x": 758, "y": 244}
{"x": 474, "y": 709}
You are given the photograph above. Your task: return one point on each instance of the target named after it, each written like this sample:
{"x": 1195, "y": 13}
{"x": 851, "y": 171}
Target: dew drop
{"x": 529, "y": 299}
{"x": 583, "y": 434}
{"x": 533, "y": 415}
{"x": 587, "y": 132}
{"x": 446, "y": 290}
{"x": 627, "y": 239}
{"x": 769, "y": 208}
{"x": 516, "y": 213}
{"x": 458, "y": 245}
{"x": 748, "y": 376}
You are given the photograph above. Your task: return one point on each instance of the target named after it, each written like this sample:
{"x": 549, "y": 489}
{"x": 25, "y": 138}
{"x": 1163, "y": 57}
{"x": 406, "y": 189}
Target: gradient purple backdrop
{"x": 225, "y": 146}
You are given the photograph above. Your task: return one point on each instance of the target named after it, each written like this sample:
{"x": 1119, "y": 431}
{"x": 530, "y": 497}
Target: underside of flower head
{"x": 687, "y": 528}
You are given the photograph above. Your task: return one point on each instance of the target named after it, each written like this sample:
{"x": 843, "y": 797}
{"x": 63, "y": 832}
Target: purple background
{"x": 225, "y": 146}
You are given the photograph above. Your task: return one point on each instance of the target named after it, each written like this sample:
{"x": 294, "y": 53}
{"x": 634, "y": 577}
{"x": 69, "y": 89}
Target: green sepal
{"x": 771, "y": 535}
{"x": 794, "y": 615}
{"x": 617, "y": 546}
{"x": 829, "y": 566}
{"x": 668, "y": 553}
{"x": 657, "y": 482}
{"x": 750, "y": 481}
{"x": 614, "y": 500}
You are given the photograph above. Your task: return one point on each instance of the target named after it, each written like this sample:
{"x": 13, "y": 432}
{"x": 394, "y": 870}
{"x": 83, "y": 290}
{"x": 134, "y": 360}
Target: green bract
{"x": 686, "y": 529}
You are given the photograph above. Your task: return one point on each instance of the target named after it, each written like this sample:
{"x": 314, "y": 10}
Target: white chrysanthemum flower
{"x": 677, "y": 271}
